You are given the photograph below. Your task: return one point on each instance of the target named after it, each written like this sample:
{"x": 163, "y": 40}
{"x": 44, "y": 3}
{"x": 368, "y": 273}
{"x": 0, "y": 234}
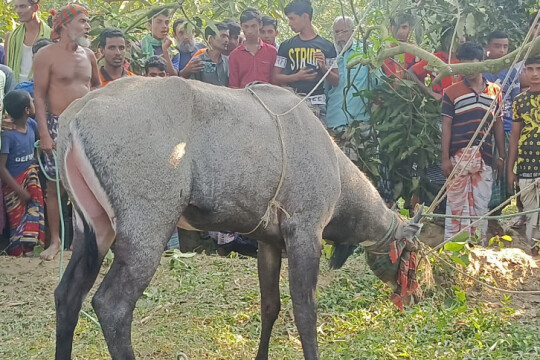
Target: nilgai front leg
{"x": 304, "y": 252}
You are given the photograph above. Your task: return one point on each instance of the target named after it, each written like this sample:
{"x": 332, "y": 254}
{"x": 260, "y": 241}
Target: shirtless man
{"x": 64, "y": 71}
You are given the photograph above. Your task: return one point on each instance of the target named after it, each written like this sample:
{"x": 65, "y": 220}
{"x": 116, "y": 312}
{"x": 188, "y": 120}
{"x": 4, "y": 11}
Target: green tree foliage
{"x": 130, "y": 14}
{"x": 408, "y": 133}
{"x": 406, "y": 121}
{"x": 474, "y": 19}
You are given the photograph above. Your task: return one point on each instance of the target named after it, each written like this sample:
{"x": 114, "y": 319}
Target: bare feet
{"x": 51, "y": 251}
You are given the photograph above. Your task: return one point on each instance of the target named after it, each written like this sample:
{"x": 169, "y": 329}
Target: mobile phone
{"x": 209, "y": 66}
{"x": 313, "y": 68}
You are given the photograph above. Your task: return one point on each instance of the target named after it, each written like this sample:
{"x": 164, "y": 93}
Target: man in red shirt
{"x": 401, "y": 27}
{"x": 254, "y": 59}
{"x": 419, "y": 71}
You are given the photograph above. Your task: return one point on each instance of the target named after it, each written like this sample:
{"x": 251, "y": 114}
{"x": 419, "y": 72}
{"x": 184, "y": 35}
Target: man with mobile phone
{"x": 304, "y": 59}
{"x": 212, "y": 65}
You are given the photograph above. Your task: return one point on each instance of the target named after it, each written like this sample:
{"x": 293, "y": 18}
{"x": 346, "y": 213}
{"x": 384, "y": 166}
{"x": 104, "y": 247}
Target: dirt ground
{"x": 27, "y": 285}
{"x": 510, "y": 268}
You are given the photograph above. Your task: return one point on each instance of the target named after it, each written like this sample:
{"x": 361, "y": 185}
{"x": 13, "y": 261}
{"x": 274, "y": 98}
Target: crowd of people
{"x": 48, "y": 67}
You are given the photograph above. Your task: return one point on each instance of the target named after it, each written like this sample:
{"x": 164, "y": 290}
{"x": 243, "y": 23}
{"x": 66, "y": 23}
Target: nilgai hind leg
{"x": 77, "y": 280}
{"x": 269, "y": 265}
{"x": 137, "y": 254}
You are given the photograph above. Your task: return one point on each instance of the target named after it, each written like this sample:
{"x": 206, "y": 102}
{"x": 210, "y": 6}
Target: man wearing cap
{"x": 64, "y": 71}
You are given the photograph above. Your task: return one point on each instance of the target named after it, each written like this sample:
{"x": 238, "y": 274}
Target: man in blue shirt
{"x": 342, "y": 108}
{"x": 497, "y": 47}
{"x": 185, "y": 43}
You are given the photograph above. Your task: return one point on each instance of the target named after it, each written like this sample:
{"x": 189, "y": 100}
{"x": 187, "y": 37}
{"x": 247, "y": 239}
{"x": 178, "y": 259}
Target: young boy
{"x": 304, "y": 59}
{"x": 401, "y": 28}
{"x": 269, "y": 31}
{"x": 154, "y": 66}
{"x": 524, "y": 147}
{"x": 158, "y": 23}
{"x": 254, "y": 59}
{"x": 464, "y": 106}
{"x": 19, "y": 174}
{"x": 497, "y": 47}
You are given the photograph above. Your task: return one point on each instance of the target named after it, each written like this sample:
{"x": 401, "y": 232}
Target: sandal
{"x": 518, "y": 221}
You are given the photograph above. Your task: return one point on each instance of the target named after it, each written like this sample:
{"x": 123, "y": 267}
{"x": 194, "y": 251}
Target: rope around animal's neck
{"x": 386, "y": 236}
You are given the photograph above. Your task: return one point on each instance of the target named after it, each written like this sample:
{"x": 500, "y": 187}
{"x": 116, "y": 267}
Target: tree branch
{"x": 443, "y": 69}
{"x": 142, "y": 18}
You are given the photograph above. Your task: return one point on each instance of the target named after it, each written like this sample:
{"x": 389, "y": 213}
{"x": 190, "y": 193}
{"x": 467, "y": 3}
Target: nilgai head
{"x": 396, "y": 263}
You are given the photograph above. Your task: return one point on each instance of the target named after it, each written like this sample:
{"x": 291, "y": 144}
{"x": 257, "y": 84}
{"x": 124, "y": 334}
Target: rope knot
{"x": 271, "y": 214}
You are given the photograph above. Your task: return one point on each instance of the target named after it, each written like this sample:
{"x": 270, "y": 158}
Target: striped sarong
{"x": 468, "y": 193}
{"x": 49, "y": 165}
{"x": 26, "y": 221}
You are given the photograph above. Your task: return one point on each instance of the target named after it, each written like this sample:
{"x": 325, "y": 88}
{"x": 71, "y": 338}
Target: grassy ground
{"x": 208, "y": 308}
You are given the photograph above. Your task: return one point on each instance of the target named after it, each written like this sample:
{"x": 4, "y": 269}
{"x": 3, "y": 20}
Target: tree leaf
{"x": 470, "y": 24}
{"x": 458, "y": 260}
{"x": 507, "y": 238}
{"x": 461, "y": 237}
{"x": 452, "y": 246}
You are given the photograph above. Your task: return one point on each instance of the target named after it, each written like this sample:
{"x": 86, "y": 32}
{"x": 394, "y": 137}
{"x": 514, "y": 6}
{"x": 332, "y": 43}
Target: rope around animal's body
{"x": 273, "y": 204}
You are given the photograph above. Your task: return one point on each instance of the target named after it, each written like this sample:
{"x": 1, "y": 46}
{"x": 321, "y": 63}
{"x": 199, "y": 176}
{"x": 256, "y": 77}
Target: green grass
{"x": 208, "y": 308}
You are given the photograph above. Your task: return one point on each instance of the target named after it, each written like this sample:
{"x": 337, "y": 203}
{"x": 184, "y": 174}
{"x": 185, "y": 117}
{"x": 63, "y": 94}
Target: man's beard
{"x": 339, "y": 45}
{"x": 82, "y": 41}
{"x": 187, "y": 47}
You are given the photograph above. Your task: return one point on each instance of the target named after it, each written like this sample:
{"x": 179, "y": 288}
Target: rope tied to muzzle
{"x": 404, "y": 251}
{"x": 390, "y": 252}
{"x": 271, "y": 213}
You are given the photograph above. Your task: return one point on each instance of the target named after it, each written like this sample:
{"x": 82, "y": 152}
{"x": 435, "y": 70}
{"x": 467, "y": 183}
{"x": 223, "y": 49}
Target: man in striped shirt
{"x": 464, "y": 106}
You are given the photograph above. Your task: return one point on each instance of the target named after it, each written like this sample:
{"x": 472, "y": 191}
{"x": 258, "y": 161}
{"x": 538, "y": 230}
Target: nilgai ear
{"x": 410, "y": 230}
{"x": 413, "y": 226}
{"x": 418, "y": 215}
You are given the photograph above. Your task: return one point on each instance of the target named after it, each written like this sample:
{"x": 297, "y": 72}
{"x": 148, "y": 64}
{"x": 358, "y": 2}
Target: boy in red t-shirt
{"x": 419, "y": 71}
{"x": 401, "y": 27}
